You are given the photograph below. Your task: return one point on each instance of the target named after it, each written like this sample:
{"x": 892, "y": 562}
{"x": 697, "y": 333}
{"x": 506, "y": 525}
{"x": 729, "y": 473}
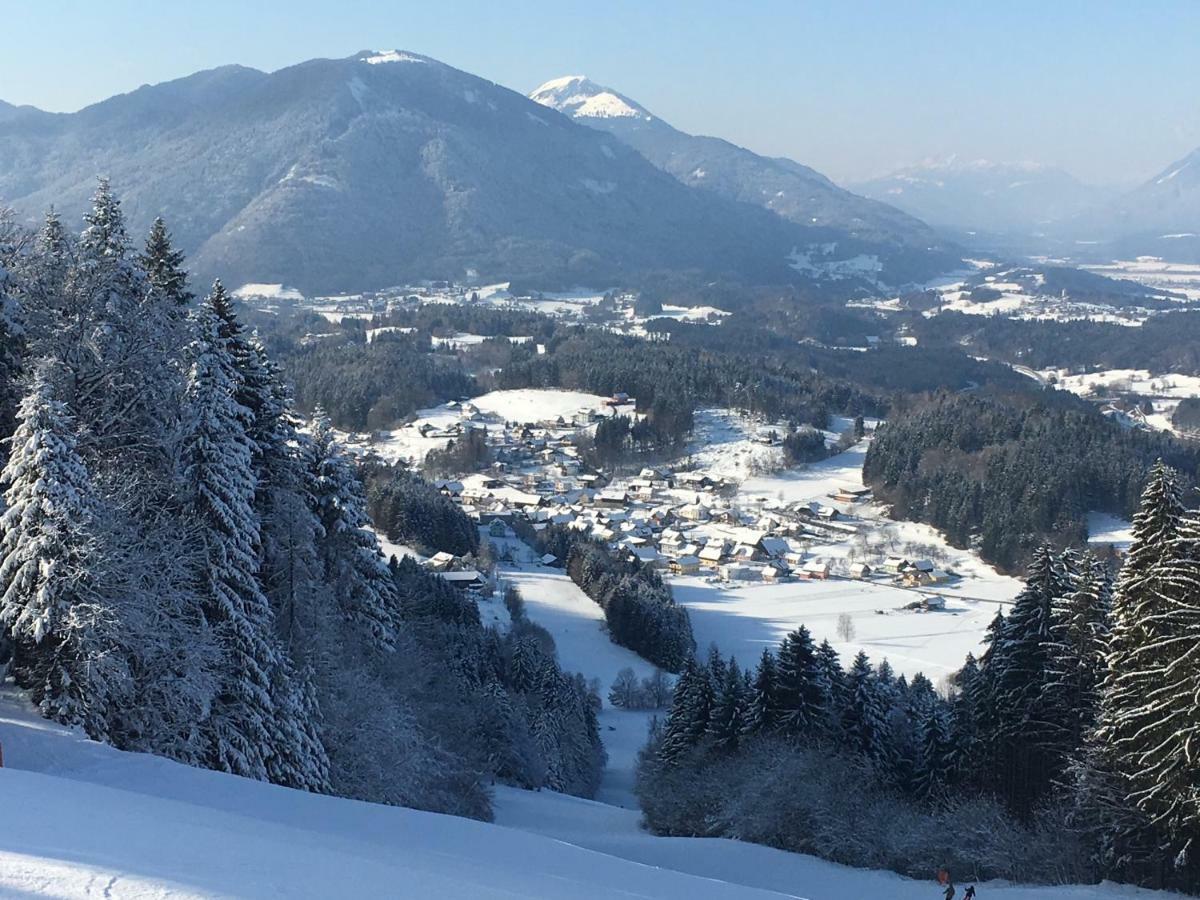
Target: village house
{"x": 466, "y": 580}
{"x": 713, "y": 554}
{"x": 685, "y": 565}
{"x": 860, "y": 570}
{"x": 814, "y": 570}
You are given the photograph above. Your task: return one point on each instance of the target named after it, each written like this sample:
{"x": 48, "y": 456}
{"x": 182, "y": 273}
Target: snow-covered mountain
{"x": 979, "y": 195}
{"x": 386, "y": 166}
{"x": 581, "y": 98}
{"x": 1160, "y": 217}
{"x": 793, "y": 191}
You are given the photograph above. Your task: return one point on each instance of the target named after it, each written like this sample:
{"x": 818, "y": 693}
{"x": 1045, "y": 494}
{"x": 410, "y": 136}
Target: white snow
{"x": 391, "y": 56}
{"x": 722, "y": 445}
{"x": 744, "y": 619}
{"x": 95, "y": 822}
{"x": 576, "y": 622}
{"x": 537, "y": 404}
{"x": 1135, "y": 381}
{"x": 821, "y": 262}
{"x": 268, "y": 291}
{"x": 462, "y": 339}
{"x": 577, "y": 96}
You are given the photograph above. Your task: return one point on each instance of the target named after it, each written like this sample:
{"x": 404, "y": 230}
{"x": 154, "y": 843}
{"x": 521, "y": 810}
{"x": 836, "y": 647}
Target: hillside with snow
{"x": 791, "y": 190}
{"x": 96, "y": 822}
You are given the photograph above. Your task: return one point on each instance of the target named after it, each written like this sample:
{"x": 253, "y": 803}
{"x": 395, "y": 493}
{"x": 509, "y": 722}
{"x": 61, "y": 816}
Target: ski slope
{"x": 83, "y": 820}
{"x": 95, "y": 822}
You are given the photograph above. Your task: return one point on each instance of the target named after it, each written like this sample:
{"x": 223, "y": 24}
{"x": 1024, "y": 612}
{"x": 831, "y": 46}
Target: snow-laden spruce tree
{"x": 1017, "y": 665}
{"x": 762, "y": 707}
{"x": 11, "y": 329}
{"x": 691, "y": 709}
{"x": 354, "y": 567}
{"x": 865, "y": 717}
{"x": 800, "y": 687}
{"x": 162, "y": 265}
{"x": 50, "y": 604}
{"x": 123, "y": 346}
{"x": 260, "y": 724}
{"x": 1079, "y": 633}
{"x": 1136, "y": 779}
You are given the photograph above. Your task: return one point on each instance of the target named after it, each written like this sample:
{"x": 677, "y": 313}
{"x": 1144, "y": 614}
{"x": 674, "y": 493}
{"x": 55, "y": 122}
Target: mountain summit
{"x": 791, "y": 190}
{"x": 580, "y": 97}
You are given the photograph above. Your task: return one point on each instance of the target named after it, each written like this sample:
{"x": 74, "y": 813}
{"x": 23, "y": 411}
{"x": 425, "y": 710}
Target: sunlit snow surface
{"x": 83, "y": 820}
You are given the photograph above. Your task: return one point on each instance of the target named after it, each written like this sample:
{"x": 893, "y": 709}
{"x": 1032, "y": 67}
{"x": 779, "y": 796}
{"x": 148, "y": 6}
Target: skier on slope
{"x": 943, "y": 879}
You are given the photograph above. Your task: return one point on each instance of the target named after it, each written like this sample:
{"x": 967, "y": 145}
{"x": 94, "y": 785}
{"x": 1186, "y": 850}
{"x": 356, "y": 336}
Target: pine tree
{"x": 1158, "y": 741}
{"x": 935, "y": 759}
{"x": 801, "y": 687}
{"x": 762, "y": 714}
{"x": 256, "y": 720}
{"x": 834, "y": 679}
{"x": 49, "y": 603}
{"x": 1018, "y": 663}
{"x": 728, "y": 719}
{"x": 1137, "y": 776}
{"x": 1078, "y": 643}
{"x": 163, "y": 267}
{"x": 865, "y": 718}
{"x": 354, "y": 567}
{"x": 691, "y": 709}
{"x": 12, "y": 334}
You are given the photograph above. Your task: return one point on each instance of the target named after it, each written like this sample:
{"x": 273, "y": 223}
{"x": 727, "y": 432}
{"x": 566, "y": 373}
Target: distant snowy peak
{"x": 376, "y": 57}
{"x": 581, "y": 98}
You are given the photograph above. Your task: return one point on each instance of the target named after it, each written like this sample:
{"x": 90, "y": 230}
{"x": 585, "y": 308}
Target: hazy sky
{"x": 1108, "y": 90}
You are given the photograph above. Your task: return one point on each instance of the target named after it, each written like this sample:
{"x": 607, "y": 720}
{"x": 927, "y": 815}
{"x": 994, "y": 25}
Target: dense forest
{"x": 1005, "y": 473}
{"x": 410, "y": 510}
{"x": 1058, "y": 756}
{"x": 1163, "y": 343}
{"x": 188, "y": 570}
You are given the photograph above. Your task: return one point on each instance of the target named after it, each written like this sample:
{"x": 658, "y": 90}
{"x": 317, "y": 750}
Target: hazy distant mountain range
{"x": 1047, "y": 210}
{"x": 977, "y": 194}
{"x": 387, "y": 166}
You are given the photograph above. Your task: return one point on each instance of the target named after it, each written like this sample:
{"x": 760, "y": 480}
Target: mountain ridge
{"x": 788, "y": 188}
{"x": 389, "y": 166}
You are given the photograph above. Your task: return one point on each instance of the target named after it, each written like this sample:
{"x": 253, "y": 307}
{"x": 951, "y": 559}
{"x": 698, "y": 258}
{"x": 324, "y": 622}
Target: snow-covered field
{"x": 94, "y": 822}
{"x": 1130, "y": 381}
{"x": 723, "y": 447}
{"x": 1164, "y": 390}
{"x": 537, "y": 404}
{"x": 555, "y": 602}
{"x": 526, "y": 405}
{"x": 1154, "y": 272}
{"x": 743, "y": 619}
{"x": 88, "y": 821}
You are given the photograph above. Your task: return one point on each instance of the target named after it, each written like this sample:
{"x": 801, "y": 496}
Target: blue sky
{"x": 1108, "y": 90}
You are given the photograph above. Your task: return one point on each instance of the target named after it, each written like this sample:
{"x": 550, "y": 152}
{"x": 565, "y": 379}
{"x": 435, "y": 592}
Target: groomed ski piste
{"x": 81, "y": 819}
